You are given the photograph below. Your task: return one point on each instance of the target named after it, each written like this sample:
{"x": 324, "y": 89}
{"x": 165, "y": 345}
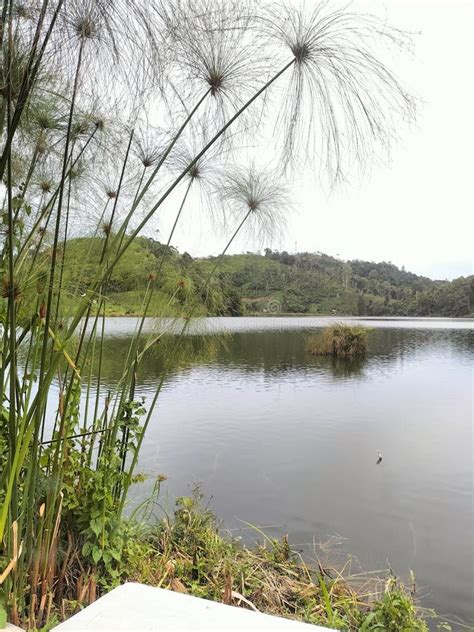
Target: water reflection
{"x": 344, "y": 368}
{"x": 279, "y": 351}
{"x": 162, "y": 355}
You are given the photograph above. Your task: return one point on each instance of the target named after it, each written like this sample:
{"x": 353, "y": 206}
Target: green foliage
{"x": 395, "y": 612}
{"x": 92, "y": 491}
{"x": 340, "y": 341}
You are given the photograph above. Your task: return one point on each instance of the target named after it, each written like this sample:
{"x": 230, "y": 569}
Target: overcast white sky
{"x": 417, "y": 210}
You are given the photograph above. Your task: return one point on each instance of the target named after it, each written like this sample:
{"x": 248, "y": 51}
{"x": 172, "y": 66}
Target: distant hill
{"x": 276, "y": 282}
{"x": 315, "y": 283}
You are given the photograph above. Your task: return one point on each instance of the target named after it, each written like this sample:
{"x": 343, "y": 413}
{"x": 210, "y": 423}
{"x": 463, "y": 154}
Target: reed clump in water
{"x": 340, "y": 341}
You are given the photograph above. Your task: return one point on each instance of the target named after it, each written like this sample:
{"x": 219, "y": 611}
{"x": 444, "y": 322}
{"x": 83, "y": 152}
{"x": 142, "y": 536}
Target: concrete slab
{"x": 140, "y": 608}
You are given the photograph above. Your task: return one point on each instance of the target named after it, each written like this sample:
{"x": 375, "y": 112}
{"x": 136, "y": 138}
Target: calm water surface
{"x": 279, "y": 438}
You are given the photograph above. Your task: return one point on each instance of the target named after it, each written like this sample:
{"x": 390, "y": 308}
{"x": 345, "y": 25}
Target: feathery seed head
{"x": 45, "y": 186}
{"x": 148, "y": 160}
{"x": 41, "y": 144}
{"x": 149, "y": 149}
{"x": 85, "y": 26}
{"x": 214, "y": 49}
{"x": 215, "y": 79}
{"x": 204, "y": 175}
{"x": 99, "y": 123}
{"x": 257, "y": 196}
{"x": 84, "y": 19}
{"x": 23, "y": 11}
{"x": 106, "y": 228}
{"x": 46, "y": 119}
{"x": 342, "y": 103}
{"x": 194, "y": 172}
{"x": 80, "y": 127}
{"x": 300, "y": 50}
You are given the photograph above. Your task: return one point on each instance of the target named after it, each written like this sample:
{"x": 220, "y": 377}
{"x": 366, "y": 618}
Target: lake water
{"x": 281, "y": 439}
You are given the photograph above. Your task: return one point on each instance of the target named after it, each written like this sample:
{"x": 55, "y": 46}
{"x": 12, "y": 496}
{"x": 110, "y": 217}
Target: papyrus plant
{"x": 79, "y": 81}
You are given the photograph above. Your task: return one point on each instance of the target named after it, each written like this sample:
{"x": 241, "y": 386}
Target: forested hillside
{"x": 276, "y": 282}
{"x": 318, "y": 283}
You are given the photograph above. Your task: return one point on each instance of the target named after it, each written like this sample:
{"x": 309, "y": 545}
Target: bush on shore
{"x": 186, "y": 553}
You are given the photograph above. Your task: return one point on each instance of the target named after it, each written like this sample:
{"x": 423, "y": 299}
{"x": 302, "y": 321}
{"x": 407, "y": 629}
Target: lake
{"x": 287, "y": 441}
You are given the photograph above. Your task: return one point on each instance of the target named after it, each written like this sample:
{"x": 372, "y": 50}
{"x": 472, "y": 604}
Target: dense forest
{"x": 251, "y": 283}
{"x": 276, "y": 282}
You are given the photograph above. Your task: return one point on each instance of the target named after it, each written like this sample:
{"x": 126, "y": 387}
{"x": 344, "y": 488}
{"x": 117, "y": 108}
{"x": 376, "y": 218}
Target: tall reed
{"x": 79, "y": 81}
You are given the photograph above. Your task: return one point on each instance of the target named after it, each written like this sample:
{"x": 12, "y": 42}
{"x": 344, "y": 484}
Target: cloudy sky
{"x": 415, "y": 211}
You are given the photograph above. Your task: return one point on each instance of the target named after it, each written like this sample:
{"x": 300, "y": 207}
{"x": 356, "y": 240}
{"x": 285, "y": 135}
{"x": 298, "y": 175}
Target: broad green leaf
{"x": 96, "y": 554}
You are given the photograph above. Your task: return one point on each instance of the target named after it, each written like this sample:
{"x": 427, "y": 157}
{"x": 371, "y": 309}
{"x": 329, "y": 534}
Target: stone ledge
{"x": 139, "y": 608}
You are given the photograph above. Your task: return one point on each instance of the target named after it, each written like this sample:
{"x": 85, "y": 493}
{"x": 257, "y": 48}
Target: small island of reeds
{"x": 341, "y": 341}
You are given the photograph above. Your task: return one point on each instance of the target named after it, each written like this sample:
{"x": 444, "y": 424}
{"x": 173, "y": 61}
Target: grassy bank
{"x": 188, "y": 554}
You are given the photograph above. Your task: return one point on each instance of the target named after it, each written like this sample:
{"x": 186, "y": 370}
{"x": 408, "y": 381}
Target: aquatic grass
{"x": 340, "y": 341}
{"x": 66, "y": 469}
